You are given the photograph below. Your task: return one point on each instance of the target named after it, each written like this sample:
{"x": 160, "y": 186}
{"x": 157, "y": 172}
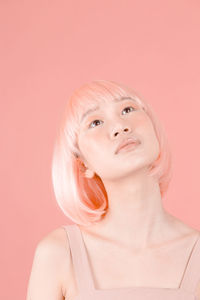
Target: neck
{"x": 135, "y": 215}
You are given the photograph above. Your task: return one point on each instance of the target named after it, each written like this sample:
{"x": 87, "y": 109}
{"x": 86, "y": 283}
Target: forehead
{"x": 115, "y": 100}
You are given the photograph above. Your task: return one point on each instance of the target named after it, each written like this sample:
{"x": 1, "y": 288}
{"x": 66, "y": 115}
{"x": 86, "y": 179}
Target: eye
{"x": 122, "y": 111}
{"x": 129, "y": 107}
{"x": 93, "y": 123}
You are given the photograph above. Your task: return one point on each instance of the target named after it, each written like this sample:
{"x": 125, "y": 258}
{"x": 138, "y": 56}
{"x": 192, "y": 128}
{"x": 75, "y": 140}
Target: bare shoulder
{"x": 54, "y": 247}
{"x": 52, "y": 257}
{"x": 56, "y": 244}
{"x": 55, "y": 240}
{"x": 190, "y": 235}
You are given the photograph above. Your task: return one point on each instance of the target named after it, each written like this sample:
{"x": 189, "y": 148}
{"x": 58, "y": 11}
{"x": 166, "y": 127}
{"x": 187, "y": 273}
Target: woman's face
{"x": 102, "y": 130}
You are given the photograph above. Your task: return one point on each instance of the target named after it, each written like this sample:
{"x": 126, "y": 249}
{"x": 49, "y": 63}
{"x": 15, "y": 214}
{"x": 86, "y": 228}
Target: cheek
{"x": 83, "y": 145}
{"x": 142, "y": 126}
{"x": 94, "y": 138}
{"x": 147, "y": 131}
{"x": 141, "y": 119}
{"x": 145, "y": 123}
{"x": 90, "y": 145}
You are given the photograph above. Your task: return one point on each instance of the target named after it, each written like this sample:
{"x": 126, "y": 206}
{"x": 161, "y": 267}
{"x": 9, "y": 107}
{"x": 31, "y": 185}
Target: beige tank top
{"x": 87, "y": 290}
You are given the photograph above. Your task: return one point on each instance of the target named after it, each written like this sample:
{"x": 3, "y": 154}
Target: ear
{"x": 82, "y": 160}
{"x": 89, "y": 173}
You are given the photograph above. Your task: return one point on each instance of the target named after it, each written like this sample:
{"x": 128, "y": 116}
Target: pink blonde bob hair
{"x": 84, "y": 200}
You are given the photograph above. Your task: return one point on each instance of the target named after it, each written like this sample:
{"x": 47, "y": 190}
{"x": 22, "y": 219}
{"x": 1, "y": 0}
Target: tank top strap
{"x": 80, "y": 260}
{"x": 191, "y": 277}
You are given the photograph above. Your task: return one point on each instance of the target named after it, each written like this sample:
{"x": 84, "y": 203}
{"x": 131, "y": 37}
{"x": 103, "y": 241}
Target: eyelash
{"x": 122, "y": 110}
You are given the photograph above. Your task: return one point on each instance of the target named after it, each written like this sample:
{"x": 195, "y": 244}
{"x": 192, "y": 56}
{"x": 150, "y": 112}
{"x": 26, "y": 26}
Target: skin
{"x": 124, "y": 175}
{"x": 136, "y": 220}
{"x": 136, "y": 217}
{"x": 136, "y": 228}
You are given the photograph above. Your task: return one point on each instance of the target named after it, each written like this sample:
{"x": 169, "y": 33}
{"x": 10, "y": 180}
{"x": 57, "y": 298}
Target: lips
{"x": 125, "y": 143}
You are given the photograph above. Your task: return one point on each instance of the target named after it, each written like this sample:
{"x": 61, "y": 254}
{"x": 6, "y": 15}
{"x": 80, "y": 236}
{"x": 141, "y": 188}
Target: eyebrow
{"x": 97, "y": 107}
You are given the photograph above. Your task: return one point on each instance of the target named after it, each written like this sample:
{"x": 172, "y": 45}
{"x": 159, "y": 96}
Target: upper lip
{"x": 126, "y": 142}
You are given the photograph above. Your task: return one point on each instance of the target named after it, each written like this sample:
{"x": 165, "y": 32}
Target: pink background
{"x": 50, "y": 48}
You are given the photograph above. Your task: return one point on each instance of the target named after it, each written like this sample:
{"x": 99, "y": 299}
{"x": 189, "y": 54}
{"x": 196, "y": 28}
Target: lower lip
{"x": 128, "y": 147}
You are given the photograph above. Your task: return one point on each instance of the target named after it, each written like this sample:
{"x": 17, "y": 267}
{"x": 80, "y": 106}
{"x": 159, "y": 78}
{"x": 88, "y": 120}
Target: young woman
{"x": 111, "y": 168}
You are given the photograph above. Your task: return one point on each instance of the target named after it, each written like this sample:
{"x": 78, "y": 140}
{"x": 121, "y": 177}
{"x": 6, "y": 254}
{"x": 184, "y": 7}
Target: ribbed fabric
{"x": 87, "y": 290}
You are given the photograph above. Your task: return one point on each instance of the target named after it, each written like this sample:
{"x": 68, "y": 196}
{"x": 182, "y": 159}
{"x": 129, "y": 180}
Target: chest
{"x": 114, "y": 266}
{"x": 101, "y": 270}
{"x": 117, "y": 268}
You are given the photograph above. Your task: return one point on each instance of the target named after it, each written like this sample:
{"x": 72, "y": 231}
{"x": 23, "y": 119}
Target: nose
{"x": 121, "y": 129}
